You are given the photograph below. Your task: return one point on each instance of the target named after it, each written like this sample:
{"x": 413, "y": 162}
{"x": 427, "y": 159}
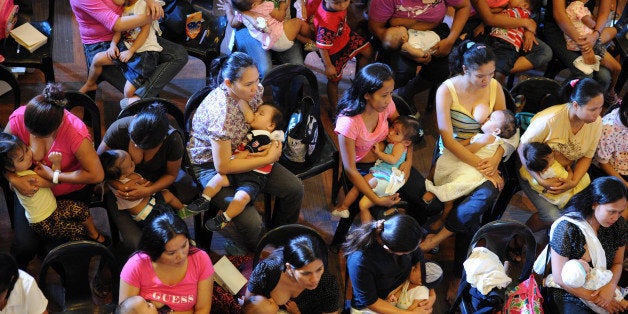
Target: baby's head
{"x": 415, "y": 275}
{"x": 116, "y": 163}
{"x": 500, "y": 123}
{"x": 14, "y": 154}
{"x": 529, "y": 5}
{"x": 135, "y": 305}
{"x": 258, "y": 304}
{"x": 539, "y": 156}
{"x": 267, "y": 117}
{"x": 337, "y": 5}
{"x": 575, "y": 272}
{"x": 394, "y": 37}
{"x": 405, "y": 130}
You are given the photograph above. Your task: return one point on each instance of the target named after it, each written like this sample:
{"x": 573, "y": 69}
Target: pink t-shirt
{"x": 383, "y": 10}
{"x": 138, "y": 272}
{"x": 70, "y": 135}
{"x": 96, "y": 19}
{"x": 354, "y": 128}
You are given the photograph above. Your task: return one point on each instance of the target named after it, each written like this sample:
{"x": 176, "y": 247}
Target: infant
{"x": 257, "y": 304}
{"x": 136, "y": 305}
{"x": 415, "y": 43}
{"x": 410, "y": 293}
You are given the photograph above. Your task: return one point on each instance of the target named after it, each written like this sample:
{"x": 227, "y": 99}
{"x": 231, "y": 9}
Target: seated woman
{"x": 156, "y": 149}
{"x": 45, "y": 126}
{"x": 19, "y": 292}
{"x": 573, "y": 131}
{"x": 219, "y": 126}
{"x": 167, "y": 270}
{"x": 591, "y": 229}
{"x": 296, "y": 278}
{"x": 380, "y": 257}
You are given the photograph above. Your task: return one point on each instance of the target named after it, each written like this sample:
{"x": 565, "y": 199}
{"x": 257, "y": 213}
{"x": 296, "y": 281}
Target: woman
{"x": 612, "y": 150}
{"x": 296, "y": 277}
{"x": 167, "y": 270}
{"x": 45, "y": 126}
{"x": 463, "y": 103}
{"x": 218, "y": 127}
{"x": 380, "y": 256}
{"x": 573, "y": 131}
{"x": 363, "y": 115}
{"x": 19, "y": 292}
{"x": 597, "y": 209}
{"x": 156, "y": 149}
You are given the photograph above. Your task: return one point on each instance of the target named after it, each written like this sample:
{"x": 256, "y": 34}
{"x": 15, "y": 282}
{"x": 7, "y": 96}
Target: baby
{"x": 266, "y": 23}
{"x": 257, "y": 304}
{"x": 453, "y": 178}
{"x": 385, "y": 177}
{"x": 263, "y": 123}
{"x": 577, "y": 273}
{"x": 136, "y": 51}
{"x": 540, "y": 159}
{"x": 416, "y": 44}
{"x": 119, "y": 173}
{"x": 136, "y": 305}
{"x": 411, "y": 293}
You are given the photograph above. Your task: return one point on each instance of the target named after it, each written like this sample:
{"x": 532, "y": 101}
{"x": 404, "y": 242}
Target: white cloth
{"x": 26, "y": 297}
{"x": 485, "y": 271}
{"x": 422, "y": 39}
{"x": 396, "y": 181}
{"x": 407, "y": 297}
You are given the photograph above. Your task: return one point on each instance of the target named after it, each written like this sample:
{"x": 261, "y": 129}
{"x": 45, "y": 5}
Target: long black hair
{"x": 601, "y": 191}
{"x": 367, "y": 81}
{"x": 9, "y": 273}
{"x": 44, "y": 113}
{"x": 160, "y": 230}
{"x": 302, "y": 251}
{"x": 580, "y": 91}
{"x": 229, "y": 67}
{"x": 470, "y": 54}
{"x": 400, "y": 233}
{"x": 9, "y": 144}
{"x": 149, "y": 127}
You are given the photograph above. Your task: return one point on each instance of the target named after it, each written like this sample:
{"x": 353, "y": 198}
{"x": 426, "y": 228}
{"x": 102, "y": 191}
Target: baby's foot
{"x": 340, "y": 212}
{"x": 217, "y": 223}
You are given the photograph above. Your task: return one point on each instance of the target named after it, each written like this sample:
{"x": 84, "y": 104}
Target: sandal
{"x": 106, "y": 240}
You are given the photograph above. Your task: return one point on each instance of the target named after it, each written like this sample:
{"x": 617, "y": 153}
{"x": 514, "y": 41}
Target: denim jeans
{"x": 263, "y": 58}
{"x": 172, "y": 59}
{"x": 555, "y": 38}
{"x": 548, "y": 212}
{"x": 281, "y": 183}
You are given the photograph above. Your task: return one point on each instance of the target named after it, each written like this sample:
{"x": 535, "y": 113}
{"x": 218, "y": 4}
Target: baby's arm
{"x": 392, "y": 158}
{"x": 482, "y": 141}
{"x": 246, "y": 110}
{"x": 393, "y": 296}
{"x": 414, "y": 53}
{"x": 279, "y": 13}
{"x": 126, "y": 55}
{"x": 588, "y": 21}
{"x": 225, "y": 5}
{"x": 55, "y": 159}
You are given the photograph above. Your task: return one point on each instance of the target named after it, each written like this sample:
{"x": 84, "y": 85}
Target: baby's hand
{"x": 292, "y": 307}
{"x": 223, "y": 5}
{"x": 392, "y": 298}
{"x": 125, "y": 56}
{"x": 55, "y": 158}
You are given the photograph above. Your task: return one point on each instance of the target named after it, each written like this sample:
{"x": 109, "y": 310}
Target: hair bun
{"x": 53, "y": 94}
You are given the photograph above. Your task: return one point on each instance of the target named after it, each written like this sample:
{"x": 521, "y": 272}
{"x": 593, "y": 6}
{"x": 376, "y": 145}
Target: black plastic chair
{"x": 280, "y": 236}
{"x": 7, "y": 76}
{"x": 73, "y": 261}
{"x": 496, "y": 237}
{"x": 91, "y": 113}
{"x": 42, "y": 57}
{"x": 539, "y": 93}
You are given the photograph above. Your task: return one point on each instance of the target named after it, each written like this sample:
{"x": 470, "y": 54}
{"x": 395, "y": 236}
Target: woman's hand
{"x": 497, "y": 181}
{"x": 388, "y": 201}
{"x": 223, "y": 5}
{"x": 154, "y": 9}
{"x": 26, "y": 185}
{"x": 562, "y": 186}
{"x": 604, "y": 295}
{"x": 136, "y": 192}
{"x": 425, "y": 309}
{"x": 113, "y": 52}
{"x": 292, "y": 307}
{"x": 442, "y": 47}
{"x": 529, "y": 39}
{"x": 488, "y": 167}
{"x": 272, "y": 151}
{"x": 330, "y": 73}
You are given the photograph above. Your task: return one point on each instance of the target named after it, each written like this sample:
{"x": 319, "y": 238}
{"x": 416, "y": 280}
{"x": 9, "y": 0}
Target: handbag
{"x": 549, "y": 304}
{"x": 525, "y": 298}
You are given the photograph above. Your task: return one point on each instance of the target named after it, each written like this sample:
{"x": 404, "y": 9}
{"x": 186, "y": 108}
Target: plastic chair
{"x": 42, "y": 57}
{"x": 91, "y": 113}
{"x": 7, "y": 76}
{"x": 73, "y": 261}
{"x": 496, "y": 237}
{"x": 539, "y": 93}
{"x": 280, "y": 236}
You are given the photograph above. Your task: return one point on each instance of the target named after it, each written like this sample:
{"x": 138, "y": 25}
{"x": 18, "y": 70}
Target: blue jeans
{"x": 281, "y": 183}
{"x": 172, "y": 59}
{"x": 547, "y": 211}
{"x": 263, "y": 58}
{"x": 555, "y": 38}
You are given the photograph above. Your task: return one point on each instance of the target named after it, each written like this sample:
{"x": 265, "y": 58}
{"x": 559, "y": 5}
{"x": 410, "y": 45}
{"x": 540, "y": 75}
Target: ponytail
{"x": 470, "y": 54}
{"x": 228, "y": 67}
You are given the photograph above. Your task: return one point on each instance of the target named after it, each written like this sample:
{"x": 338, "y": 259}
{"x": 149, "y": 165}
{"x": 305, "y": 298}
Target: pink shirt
{"x": 70, "y": 135}
{"x": 139, "y": 272}
{"x": 383, "y": 10}
{"x": 96, "y": 19}
{"x": 355, "y": 129}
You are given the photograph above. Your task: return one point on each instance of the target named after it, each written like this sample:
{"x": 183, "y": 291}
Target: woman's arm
{"x": 500, "y": 20}
{"x": 91, "y": 171}
{"x": 204, "y": 295}
{"x": 221, "y": 152}
{"x": 383, "y": 307}
{"x": 608, "y": 169}
{"x": 125, "y": 23}
{"x": 581, "y": 168}
{"x": 605, "y": 296}
{"x": 127, "y": 291}
{"x": 461, "y": 15}
{"x": 347, "y": 153}
{"x": 561, "y": 18}
{"x": 558, "y": 261}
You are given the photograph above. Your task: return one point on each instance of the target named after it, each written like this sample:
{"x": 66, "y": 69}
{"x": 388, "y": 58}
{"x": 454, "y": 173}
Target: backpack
{"x": 302, "y": 141}
{"x": 8, "y": 17}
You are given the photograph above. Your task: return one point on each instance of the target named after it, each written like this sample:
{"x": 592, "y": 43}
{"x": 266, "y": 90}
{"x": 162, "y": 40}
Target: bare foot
{"x": 88, "y": 87}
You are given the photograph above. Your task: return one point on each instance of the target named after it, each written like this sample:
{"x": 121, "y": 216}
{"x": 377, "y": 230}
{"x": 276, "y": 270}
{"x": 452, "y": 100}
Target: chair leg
{"x": 48, "y": 69}
{"x": 9, "y": 198}
{"x": 335, "y": 185}
{"x": 268, "y": 211}
{"x": 431, "y": 99}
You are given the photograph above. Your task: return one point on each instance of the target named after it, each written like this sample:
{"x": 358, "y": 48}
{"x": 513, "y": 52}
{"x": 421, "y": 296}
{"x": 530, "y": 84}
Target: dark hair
{"x": 242, "y": 5}
{"x": 303, "y": 250}
{"x": 535, "y": 153}
{"x": 8, "y": 273}
{"x": 601, "y": 191}
{"x": 470, "y": 54}
{"x": 367, "y": 81}
{"x": 400, "y": 233}
{"x": 160, "y": 230}
{"x": 411, "y": 128}
{"x": 229, "y": 67}
{"x": 623, "y": 110}
{"x": 582, "y": 91}
{"x": 277, "y": 117}
{"x": 44, "y": 113}
{"x": 108, "y": 160}
{"x": 149, "y": 127}
{"x": 509, "y": 127}
{"x": 9, "y": 143}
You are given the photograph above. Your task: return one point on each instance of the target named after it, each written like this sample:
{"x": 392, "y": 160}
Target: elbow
{"x": 96, "y": 177}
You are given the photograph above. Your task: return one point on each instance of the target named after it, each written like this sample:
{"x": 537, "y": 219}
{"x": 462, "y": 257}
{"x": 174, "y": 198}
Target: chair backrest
{"x": 73, "y": 261}
{"x": 280, "y": 236}
{"x": 539, "y": 93}
{"x": 91, "y": 113}
{"x": 7, "y": 76}
{"x": 171, "y": 109}
{"x": 190, "y": 107}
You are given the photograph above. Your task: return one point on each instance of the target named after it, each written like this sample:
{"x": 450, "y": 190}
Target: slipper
{"x": 106, "y": 240}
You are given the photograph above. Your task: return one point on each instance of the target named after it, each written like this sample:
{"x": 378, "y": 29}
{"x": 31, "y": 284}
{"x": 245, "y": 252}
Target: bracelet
{"x": 598, "y": 33}
{"x": 55, "y": 176}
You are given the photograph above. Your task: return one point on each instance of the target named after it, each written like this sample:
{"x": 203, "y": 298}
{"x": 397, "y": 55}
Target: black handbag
{"x": 549, "y": 303}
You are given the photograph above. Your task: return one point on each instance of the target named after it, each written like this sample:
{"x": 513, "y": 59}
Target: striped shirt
{"x": 512, "y": 35}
